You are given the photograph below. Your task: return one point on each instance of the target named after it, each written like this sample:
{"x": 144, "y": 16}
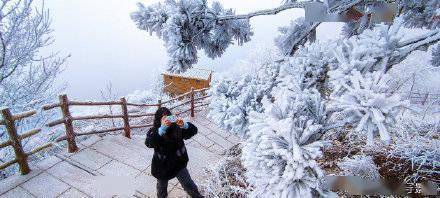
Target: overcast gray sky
{"x": 106, "y": 46}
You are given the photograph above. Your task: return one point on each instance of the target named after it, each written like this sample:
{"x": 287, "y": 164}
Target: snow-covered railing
{"x": 68, "y": 119}
{"x": 9, "y": 121}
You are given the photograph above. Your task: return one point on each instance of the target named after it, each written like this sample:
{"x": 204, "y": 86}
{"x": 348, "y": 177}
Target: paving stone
{"x": 177, "y": 193}
{"x": 118, "y": 168}
{"x": 201, "y": 139}
{"x": 91, "y": 140}
{"x": 216, "y": 149}
{"x": 224, "y": 134}
{"x": 195, "y": 144}
{"x": 91, "y": 158}
{"x": 203, "y": 130}
{"x": 17, "y": 179}
{"x": 73, "y": 193}
{"x": 73, "y": 176}
{"x": 137, "y": 159}
{"x": 220, "y": 141}
{"x": 146, "y": 185}
{"x": 17, "y": 192}
{"x": 48, "y": 162}
{"x": 45, "y": 186}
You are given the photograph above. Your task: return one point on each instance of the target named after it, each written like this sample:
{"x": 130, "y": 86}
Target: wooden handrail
{"x": 56, "y": 122}
{"x": 19, "y": 116}
{"x": 40, "y": 148}
{"x": 200, "y": 90}
{"x": 5, "y": 144}
{"x": 100, "y": 131}
{"x": 140, "y": 115}
{"x": 21, "y": 137}
{"x": 51, "y": 106}
{"x": 23, "y": 115}
{"x": 141, "y": 126}
{"x": 142, "y": 105}
{"x": 29, "y": 133}
{"x": 176, "y": 98}
{"x": 91, "y": 103}
{"x": 97, "y": 117}
{"x": 201, "y": 105}
{"x": 201, "y": 98}
{"x": 179, "y": 105}
{"x": 7, "y": 164}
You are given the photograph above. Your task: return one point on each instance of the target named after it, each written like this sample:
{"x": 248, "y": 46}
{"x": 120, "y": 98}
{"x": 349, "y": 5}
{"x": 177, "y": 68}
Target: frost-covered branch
{"x": 188, "y": 26}
{"x": 263, "y": 12}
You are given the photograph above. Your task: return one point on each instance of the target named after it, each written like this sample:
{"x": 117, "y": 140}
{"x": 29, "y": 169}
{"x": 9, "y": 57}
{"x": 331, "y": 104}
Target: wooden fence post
{"x": 20, "y": 155}
{"x": 126, "y": 120}
{"x": 159, "y": 104}
{"x": 192, "y": 102}
{"x": 70, "y": 134}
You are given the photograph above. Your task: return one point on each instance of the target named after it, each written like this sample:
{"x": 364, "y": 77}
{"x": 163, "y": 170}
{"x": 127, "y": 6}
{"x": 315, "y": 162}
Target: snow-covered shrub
{"x": 418, "y": 144}
{"x": 308, "y": 68}
{"x": 365, "y": 105}
{"x": 280, "y": 153}
{"x": 360, "y": 165}
{"x": 226, "y": 178}
{"x": 189, "y": 25}
{"x": 373, "y": 50}
{"x": 232, "y": 101}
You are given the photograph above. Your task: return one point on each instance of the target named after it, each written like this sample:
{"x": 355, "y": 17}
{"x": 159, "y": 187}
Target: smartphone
{"x": 171, "y": 118}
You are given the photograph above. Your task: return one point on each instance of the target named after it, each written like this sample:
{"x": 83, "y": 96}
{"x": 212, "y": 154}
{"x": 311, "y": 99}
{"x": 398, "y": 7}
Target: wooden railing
{"x": 68, "y": 119}
{"x": 9, "y": 121}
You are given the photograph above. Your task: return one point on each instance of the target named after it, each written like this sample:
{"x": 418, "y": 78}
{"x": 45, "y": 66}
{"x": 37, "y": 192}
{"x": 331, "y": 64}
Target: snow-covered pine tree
{"x": 359, "y": 90}
{"x": 189, "y": 25}
{"x": 280, "y": 153}
{"x": 233, "y": 100}
{"x": 365, "y": 104}
{"x": 421, "y": 13}
{"x": 308, "y": 68}
{"x": 293, "y": 36}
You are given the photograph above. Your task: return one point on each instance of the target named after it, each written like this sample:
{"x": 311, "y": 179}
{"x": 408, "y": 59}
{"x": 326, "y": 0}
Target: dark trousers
{"x": 184, "y": 179}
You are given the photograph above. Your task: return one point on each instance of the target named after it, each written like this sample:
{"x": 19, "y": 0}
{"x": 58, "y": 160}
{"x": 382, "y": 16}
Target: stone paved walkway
{"x": 114, "y": 165}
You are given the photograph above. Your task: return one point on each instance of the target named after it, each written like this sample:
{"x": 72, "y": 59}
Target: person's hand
{"x": 165, "y": 121}
{"x": 180, "y": 123}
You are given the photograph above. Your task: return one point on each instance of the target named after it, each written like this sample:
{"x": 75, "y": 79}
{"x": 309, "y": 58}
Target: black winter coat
{"x": 170, "y": 154}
